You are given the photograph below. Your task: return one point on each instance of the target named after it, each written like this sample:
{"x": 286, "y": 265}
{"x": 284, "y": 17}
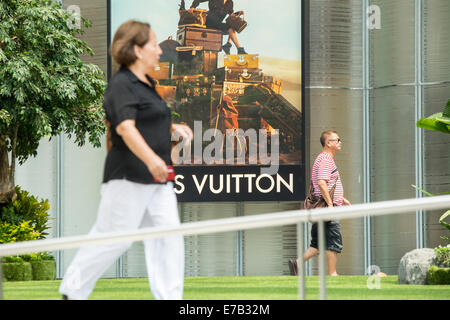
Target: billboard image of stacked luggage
{"x": 242, "y": 101}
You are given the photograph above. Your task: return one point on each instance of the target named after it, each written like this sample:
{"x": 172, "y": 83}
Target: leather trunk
{"x": 162, "y": 71}
{"x": 241, "y": 61}
{"x": 209, "y": 39}
{"x": 274, "y": 83}
{"x": 239, "y": 75}
{"x": 196, "y": 61}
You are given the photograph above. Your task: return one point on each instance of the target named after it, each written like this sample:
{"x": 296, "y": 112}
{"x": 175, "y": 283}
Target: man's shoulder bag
{"x": 312, "y": 201}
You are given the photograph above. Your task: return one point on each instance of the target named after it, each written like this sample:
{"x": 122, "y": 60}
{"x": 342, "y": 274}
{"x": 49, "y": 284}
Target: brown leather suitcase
{"x": 239, "y": 75}
{"x": 195, "y": 61}
{"x": 274, "y": 83}
{"x": 162, "y": 71}
{"x": 167, "y": 93}
{"x": 241, "y": 61}
{"x": 209, "y": 39}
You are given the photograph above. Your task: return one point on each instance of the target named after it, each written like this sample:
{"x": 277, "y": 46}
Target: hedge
{"x": 438, "y": 275}
{"x": 43, "y": 269}
{"x": 17, "y": 271}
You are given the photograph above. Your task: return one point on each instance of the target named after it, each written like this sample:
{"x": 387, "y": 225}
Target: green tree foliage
{"x": 45, "y": 87}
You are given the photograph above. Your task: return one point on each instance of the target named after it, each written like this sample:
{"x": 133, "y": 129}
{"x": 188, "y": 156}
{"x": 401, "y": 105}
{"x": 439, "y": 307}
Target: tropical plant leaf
{"x": 446, "y": 112}
{"x": 423, "y": 191}
{"x": 434, "y": 123}
{"x": 442, "y": 222}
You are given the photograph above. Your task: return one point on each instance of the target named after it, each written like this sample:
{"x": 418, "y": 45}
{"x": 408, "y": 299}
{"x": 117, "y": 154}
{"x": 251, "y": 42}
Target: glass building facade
{"x": 368, "y": 76}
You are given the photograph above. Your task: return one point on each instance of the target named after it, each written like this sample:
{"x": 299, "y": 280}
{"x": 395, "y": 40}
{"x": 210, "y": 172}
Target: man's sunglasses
{"x": 338, "y": 140}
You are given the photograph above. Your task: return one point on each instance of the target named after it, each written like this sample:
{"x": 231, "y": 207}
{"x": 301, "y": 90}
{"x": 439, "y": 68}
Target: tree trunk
{"x": 7, "y": 191}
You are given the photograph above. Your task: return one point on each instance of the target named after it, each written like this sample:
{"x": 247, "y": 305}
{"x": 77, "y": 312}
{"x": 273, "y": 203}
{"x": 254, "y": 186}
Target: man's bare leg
{"x": 308, "y": 254}
{"x": 331, "y": 261}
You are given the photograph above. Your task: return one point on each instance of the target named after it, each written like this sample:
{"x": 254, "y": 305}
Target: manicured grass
{"x": 238, "y": 288}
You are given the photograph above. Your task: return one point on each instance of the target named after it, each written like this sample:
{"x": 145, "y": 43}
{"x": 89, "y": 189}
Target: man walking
{"x": 327, "y": 184}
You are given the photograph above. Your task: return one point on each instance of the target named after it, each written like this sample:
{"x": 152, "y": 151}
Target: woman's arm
{"x": 108, "y": 136}
{"x": 136, "y": 143}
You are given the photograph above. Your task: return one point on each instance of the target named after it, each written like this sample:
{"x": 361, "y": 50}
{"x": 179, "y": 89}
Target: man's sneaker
{"x": 293, "y": 267}
{"x": 241, "y": 50}
{"x": 226, "y": 48}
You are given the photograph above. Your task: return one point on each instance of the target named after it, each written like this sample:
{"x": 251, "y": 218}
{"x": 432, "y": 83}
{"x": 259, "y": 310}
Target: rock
{"x": 414, "y": 265}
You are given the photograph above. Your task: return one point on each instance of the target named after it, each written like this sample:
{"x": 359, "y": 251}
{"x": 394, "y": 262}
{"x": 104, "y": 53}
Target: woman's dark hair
{"x": 128, "y": 35}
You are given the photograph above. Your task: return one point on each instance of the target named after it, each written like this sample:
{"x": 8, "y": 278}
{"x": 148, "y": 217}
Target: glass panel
{"x": 83, "y": 167}
{"x": 267, "y": 250}
{"x": 392, "y": 46}
{"x": 436, "y": 162}
{"x": 82, "y": 178}
{"x": 351, "y": 260}
{"x": 335, "y": 43}
{"x": 38, "y": 177}
{"x": 341, "y": 110}
{"x": 205, "y": 255}
{"x": 392, "y": 172}
{"x": 211, "y": 254}
{"x": 436, "y": 40}
{"x": 96, "y": 36}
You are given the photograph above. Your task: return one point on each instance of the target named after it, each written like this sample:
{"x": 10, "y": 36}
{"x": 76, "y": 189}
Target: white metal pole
{"x": 301, "y": 263}
{"x": 322, "y": 263}
{"x": 228, "y": 224}
{"x": 1, "y": 280}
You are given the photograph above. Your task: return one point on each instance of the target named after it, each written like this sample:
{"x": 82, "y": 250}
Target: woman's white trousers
{"x": 126, "y": 205}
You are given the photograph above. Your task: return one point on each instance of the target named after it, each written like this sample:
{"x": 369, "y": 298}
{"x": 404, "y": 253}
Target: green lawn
{"x": 238, "y": 288}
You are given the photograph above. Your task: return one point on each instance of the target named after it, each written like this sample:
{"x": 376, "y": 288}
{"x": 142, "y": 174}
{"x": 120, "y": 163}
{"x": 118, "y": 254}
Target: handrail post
{"x": 300, "y": 263}
{"x": 322, "y": 271}
{"x": 1, "y": 280}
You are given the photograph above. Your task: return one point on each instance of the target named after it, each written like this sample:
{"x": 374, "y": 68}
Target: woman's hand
{"x": 158, "y": 169}
{"x": 136, "y": 143}
{"x": 345, "y": 202}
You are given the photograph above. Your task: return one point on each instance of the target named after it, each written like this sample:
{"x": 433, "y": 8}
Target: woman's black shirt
{"x": 128, "y": 98}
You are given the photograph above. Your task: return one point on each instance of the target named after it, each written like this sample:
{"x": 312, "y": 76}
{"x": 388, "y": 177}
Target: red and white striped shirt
{"x": 324, "y": 168}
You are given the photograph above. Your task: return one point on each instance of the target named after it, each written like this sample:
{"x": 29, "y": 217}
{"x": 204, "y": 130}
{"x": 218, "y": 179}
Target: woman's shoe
{"x": 226, "y": 48}
{"x": 241, "y": 51}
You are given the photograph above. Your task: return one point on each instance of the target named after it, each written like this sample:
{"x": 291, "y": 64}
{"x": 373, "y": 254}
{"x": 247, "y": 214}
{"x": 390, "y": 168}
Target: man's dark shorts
{"x": 332, "y": 235}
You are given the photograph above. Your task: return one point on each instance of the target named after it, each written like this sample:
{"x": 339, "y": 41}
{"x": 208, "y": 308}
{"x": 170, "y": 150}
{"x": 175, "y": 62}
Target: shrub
{"x": 27, "y": 208}
{"x": 443, "y": 256}
{"x": 20, "y": 232}
{"x": 438, "y": 275}
{"x": 37, "y": 257}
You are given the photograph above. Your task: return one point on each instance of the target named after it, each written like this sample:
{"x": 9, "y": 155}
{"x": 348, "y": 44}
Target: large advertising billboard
{"x": 232, "y": 71}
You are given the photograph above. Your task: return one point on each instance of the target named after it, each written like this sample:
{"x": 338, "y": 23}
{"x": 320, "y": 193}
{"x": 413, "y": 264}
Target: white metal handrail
{"x": 235, "y": 224}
